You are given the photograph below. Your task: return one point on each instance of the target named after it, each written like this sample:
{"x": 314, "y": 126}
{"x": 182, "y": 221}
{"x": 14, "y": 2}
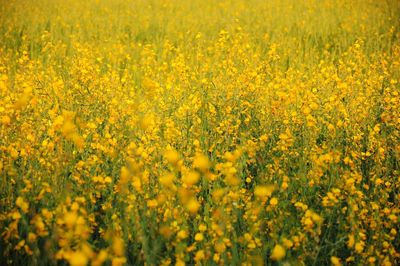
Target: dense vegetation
{"x": 204, "y": 132}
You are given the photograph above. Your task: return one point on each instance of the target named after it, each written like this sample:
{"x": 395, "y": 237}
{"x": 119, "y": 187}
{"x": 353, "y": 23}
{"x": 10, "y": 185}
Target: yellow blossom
{"x": 199, "y": 237}
{"x": 278, "y": 253}
{"x": 78, "y": 258}
{"x": 263, "y": 192}
{"x": 21, "y": 203}
{"x": 335, "y": 261}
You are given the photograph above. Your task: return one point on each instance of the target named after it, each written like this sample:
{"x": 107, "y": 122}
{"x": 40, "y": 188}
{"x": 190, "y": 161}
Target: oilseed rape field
{"x": 202, "y": 132}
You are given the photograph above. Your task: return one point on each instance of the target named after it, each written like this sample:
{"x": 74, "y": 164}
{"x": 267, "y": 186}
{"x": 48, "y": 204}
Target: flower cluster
{"x": 199, "y": 132}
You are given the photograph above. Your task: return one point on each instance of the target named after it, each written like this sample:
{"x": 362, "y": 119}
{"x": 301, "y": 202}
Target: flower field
{"x": 203, "y": 132}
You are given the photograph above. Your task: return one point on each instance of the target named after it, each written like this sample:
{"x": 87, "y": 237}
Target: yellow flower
{"x": 118, "y": 246}
{"x": 199, "y": 237}
{"x": 118, "y": 261}
{"x": 193, "y": 205}
{"x": 152, "y": 203}
{"x": 316, "y": 218}
{"x": 191, "y": 178}
{"x": 20, "y": 202}
{"x": 220, "y": 247}
{"x": 335, "y": 261}
{"x": 287, "y": 243}
{"x": 167, "y": 180}
{"x": 278, "y": 253}
{"x": 351, "y": 241}
{"x": 78, "y": 258}
{"x": 359, "y": 247}
{"x": 263, "y": 192}
{"x": 32, "y": 237}
{"x": 180, "y": 262}
{"x": 147, "y": 121}
{"x": 199, "y": 256}
{"x": 70, "y": 218}
{"x": 202, "y": 227}
{"x": 6, "y": 120}
{"x": 201, "y": 162}
{"x": 172, "y": 156}
{"x": 182, "y": 234}
{"x": 68, "y": 128}
{"x": 100, "y": 258}
{"x": 20, "y": 244}
{"x": 273, "y": 202}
